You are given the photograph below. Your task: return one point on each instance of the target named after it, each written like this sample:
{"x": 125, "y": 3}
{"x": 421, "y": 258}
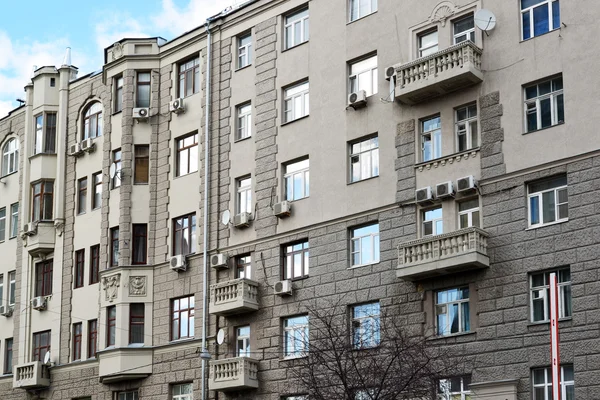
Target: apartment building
{"x": 390, "y": 154}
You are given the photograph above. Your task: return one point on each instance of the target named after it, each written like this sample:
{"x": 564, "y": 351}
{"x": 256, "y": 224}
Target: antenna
{"x": 225, "y": 217}
{"x": 114, "y": 172}
{"x": 47, "y": 359}
{"x": 485, "y": 20}
{"x": 221, "y": 336}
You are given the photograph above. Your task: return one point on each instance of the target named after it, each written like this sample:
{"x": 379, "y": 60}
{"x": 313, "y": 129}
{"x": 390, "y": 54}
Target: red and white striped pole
{"x": 555, "y": 353}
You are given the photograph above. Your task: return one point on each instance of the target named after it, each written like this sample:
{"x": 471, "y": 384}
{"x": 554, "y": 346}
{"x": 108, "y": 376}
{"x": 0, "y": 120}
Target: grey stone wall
{"x": 492, "y": 136}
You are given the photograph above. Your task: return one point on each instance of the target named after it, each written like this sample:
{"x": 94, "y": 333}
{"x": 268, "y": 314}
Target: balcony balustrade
{"x": 230, "y": 374}
{"x": 33, "y": 375}
{"x": 233, "y": 297}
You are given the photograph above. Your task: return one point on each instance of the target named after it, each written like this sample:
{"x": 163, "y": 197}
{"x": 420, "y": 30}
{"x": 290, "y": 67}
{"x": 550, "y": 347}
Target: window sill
{"x": 538, "y": 226}
{"x": 141, "y": 184}
{"x": 363, "y": 265}
{"x": 294, "y": 46}
{"x": 544, "y": 129}
{"x": 300, "y": 278}
{"x": 183, "y": 176}
{"x": 187, "y": 339}
{"x": 242, "y": 139}
{"x": 244, "y": 67}
{"x": 81, "y": 213}
{"x": 9, "y": 174}
{"x": 449, "y": 159}
{"x": 561, "y": 321}
{"x": 117, "y": 112}
{"x": 543, "y": 34}
{"x": 292, "y": 358}
{"x": 294, "y": 120}
{"x": 441, "y": 337}
{"x": 41, "y": 154}
{"x": 363, "y": 17}
{"x": 363, "y": 180}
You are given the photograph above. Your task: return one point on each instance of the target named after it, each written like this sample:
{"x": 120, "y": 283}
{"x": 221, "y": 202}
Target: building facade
{"x": 408, "y": 157}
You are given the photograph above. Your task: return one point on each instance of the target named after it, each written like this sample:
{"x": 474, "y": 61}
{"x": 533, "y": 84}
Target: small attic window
{"x": 52, "y": 82}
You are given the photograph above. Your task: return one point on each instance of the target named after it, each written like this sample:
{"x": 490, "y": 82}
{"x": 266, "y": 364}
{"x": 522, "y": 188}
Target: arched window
{"x": 92, "y": 121}
{"x": 10, "y": 157}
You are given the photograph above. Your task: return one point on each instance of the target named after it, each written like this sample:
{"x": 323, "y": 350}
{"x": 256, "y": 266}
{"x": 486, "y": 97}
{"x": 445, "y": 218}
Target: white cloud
{"x": 115, "y": 26}
{"x": 175, "y": 21}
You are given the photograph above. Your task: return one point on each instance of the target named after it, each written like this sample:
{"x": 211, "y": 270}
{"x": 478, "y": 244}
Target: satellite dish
{"x": 221, "y": 336}
{"x": 47, "y": 358}
{"x": 113, "y": 170}
{"x": 225, "y": 217}
{"x": 485, "y": 20}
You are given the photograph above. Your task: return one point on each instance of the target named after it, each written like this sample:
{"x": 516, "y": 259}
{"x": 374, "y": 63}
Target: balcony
{"x": 237, "y": 296}
{"x": 454, "y": 68}
{"x": 458, "y": 251}
{"x": 40, "y": 240}
{"x": 33, "y": 375}
{"x": 124, "y": 363}
{"x": 238, "y": 373}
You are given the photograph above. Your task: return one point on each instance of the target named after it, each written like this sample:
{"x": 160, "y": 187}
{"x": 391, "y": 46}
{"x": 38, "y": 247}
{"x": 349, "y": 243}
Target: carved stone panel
{"x": 110, "y": 284}
{"x": 137, "y": 285}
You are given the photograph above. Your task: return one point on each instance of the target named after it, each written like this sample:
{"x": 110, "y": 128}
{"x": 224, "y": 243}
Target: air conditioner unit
{"x": 141, "y": 114}
{"x": 39, "y": 303}
{"x": 177, "y": 263}
{"x": 218, "y": 261}
{"x": 357, "y": 99}
{"x": 283, "y": 288}
{"x": 176, "y": 106}
{"x": 390, "y": 72}
{"x": 6, "y": 311}
{"x": 465, "y": 184}
{"x": 241, "y": 220}
{"x": 75, "y": 149}
{"x": 445, "y": 189}
{"x": 88, "y": 145}
{"x": 283, "y": 209}
{"x": 29, "y": 229}
{"x": 424, "y": 195}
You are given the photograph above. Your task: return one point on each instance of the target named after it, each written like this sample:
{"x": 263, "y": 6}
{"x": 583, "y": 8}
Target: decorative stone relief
{"x": 111, "y": 284}
{"x": 59, "y": 225}
{"x": 441, "y": 162}
{"x": 137, "y": 285}
{"x": 442, "y": 12}
{"x": 117, "y": 51}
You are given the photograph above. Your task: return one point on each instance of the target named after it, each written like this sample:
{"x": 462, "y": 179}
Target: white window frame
{"x": 290, "y": 95}
{"x": 368, "y": 153}
{"x": 2, "y": 224}
{"x": 469, "y": 213}
{"x": 246, "y": 271}
{"x": 299, "y": 172}
{"x": 129, "y": 395}
{"x": 1, "y": 290}
{"x": 547, "y": 384}
{"x": 470, "y": 33}
{"x": 355, "y": 4}
{"x": 434, "y": 136}
{"x": 14, "y": 220}
{"x": 289, "y": 29}
{"x": 298, "y": 349}
{"x": 367, "y": 326}
{"x": 244, "y": 52}
{"x": 444, "y": 387}
{"x": 447, "y": 330}
{"x": 356, "y": 243}
{"x": 244, "y": 121}
{"x": 547, "y": 3}
{"x": 179, "y": 395}
{"x": 534, "y": 104}
{"x": 12, "y": 287}
{"x": 424, "y": 51}
{"x": 540, "y": 197}
{"x": 10, "y": 157}
{"x": 296, "y": 397}
{"x": 433, "y": 222}
{"x": 244, "y": 194}
{"x": 542, "y": 294}
{"x": 294, "y": 268}
{"x": 244, "y": 338}
{"x": 466, "y": 126}
{"x": 368, "y": 72}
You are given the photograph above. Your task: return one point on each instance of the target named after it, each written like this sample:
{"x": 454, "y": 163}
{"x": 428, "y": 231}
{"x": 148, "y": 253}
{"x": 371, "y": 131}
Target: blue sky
{"x": 37, "y": 32}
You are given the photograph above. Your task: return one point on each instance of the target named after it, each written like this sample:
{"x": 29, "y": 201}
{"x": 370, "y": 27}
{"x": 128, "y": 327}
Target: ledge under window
{"x": 450, "y": 159}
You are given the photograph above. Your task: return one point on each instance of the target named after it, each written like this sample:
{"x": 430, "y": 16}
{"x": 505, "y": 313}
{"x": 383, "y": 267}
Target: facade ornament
{"x": 442, "y": 12}
{"x": 111, "y": 284}
{"x": 117, "y": 51}
{"x": 137, "y": 285}
{"x": 59, "y": 225}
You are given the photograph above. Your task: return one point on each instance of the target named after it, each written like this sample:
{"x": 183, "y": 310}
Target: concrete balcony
{"x": 449, "y": 70}
{"x": 237, "y": 296}
{"x": 41, "y": 240}
{"x": 33, "y": 375}
{"x": 230, "y": 374}
{"x": 458, "y": 251}
{"x": 124, "y": 363}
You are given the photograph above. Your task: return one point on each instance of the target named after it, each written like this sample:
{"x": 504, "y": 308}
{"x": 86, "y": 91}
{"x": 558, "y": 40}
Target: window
{"x": 136, "y": 323}
{"x": 42, "y": 201}
{"x": 94, "y": 264}
{"x": 1, "y": 290}
{"x": 363, "y": 75}
{"x": 542, "y": 383}
{"x": 8, "y": 356}
{"x": 10, "y": 157}
{"x": 14, "y": 220}
{"x": 12, "y": 289}
{"x": 77, "y": 332}
{"x": 365, "y": 245}
{"x": 130, "y": 395}
{"x": 79, "y": 267}
{"x": 244, "y": 195}
{"x": 244, "y": 50}
{"x": 452, "y": 311}
{"x": 82, "y": 185}
{"x": 142, "y": 90}
{"x": 365, "y": 325}
{"x": 367, "y": 394}
{"x": 2, "y": 224}
{"x": 184, "y": 391}
{"x": 468, "y": 214}
{"x": 455, "y": 388}
{"x": 464, "y": 29}
{"x": 297, "y": 397}
{"x": 364, "y": 159}
{"x": 242, "y": 346}
{"x": 433, "y": 223}
{"x": 182, "y": 322}
{"x": 296, "y": 178}
{"x": 111, "y": 325}
{"x": 544, "y": 105}
{"x": 539, "y": 17}
{"x": 540, "y": 295}
{"x": 97, "y": 196}
{"x": 52, "y": 82}
{"x": 142, "y": 163}
{"x": 92, "y": 337}
{"x": 187, "y": 155}
{"x": 296, "y": 28}
{"x": 243, "y": 267}
{"x": 295, "y": 260}
{"x": 548, "y": 201}
{"x": 114, "y": 247}
{"x": 189, "y": 77}
{"x": 41, "y": 345}
{"x": 295, "y": 336}
{"x": 43, "y": 278}
{"x": 295, "y": 101}
{"x": 140, "y": 240}
{"x": 244, "y": 121}
{"x": 361, "y": 8}
{"x": 428, "y": 43}
{"x": 45, "y": 133}
{"x": 431, "y": 138}
{"x": 184, "y": 235}
{"x": 118, "y": 106}
{"x": 467, "y": 134}
{"x": 92, "y": 121}
{"x": 116, "y": 159}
